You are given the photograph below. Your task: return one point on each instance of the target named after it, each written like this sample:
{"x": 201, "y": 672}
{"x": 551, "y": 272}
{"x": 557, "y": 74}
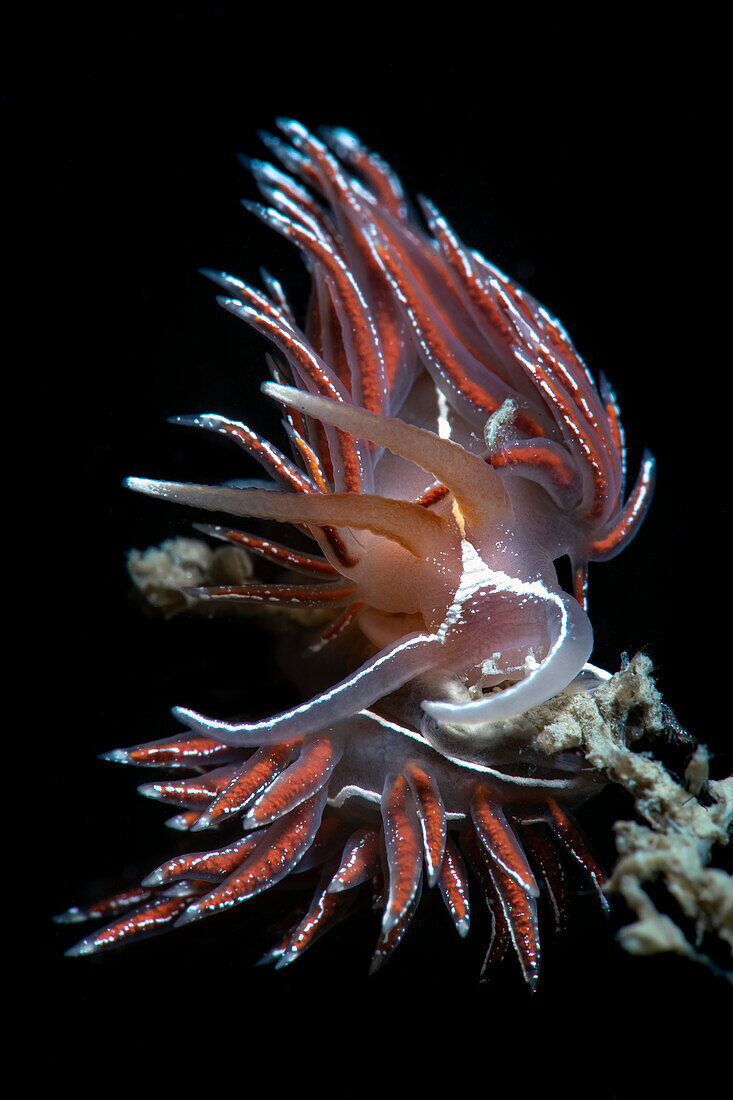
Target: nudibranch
{"x": 447, "y": 446}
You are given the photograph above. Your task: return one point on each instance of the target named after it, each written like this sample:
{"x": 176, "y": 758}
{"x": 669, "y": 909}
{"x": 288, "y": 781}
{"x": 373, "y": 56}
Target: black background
{"x": 585, "y": 161}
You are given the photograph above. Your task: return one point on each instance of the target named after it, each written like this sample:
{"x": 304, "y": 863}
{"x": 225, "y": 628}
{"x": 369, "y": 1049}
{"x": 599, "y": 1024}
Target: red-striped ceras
{"x": 448, "y": 445}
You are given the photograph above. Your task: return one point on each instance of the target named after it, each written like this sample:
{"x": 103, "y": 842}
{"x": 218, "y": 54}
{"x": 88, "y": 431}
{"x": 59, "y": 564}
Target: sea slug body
{"x": 447, "y": 447}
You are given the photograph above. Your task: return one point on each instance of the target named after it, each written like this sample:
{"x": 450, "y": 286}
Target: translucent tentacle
{"x": 475, "y": 486}
{"x": 405, "y": 523}
{"x": 384, "y": 673}
{"x": 291, "y": 201}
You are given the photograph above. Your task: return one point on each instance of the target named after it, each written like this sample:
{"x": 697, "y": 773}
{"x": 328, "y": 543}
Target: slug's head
{"x": 448, "y": 446}
{"x": 460, "y": 571}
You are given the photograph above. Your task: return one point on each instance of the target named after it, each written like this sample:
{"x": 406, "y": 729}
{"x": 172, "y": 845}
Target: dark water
{"x": 599, "y": 195}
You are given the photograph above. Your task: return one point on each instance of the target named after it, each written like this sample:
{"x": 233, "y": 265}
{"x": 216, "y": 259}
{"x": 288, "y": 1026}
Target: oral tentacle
{"x": 476, "y": 488}
{"x": 391, "y": 668}
{"x": 405, "y": 523}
